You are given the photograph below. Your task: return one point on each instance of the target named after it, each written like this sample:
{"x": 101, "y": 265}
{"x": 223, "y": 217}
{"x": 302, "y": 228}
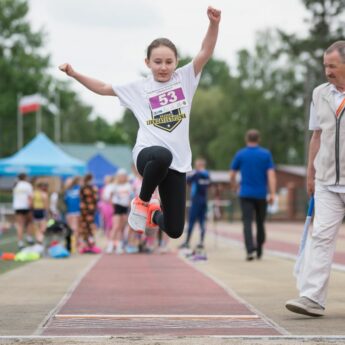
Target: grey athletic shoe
{"x": 304, "y": 305}
{"x": 138, "y": 215}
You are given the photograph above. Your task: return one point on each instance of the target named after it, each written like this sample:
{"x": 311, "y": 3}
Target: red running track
{"x": 153, "y": 295}
{"x": 283, "y": 246}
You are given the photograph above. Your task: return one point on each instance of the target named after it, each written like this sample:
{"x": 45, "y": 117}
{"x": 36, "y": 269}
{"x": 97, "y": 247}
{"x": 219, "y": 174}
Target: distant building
{"x": 119, "y": 155}
{"x": 291, "y": 186}
{"x": 291, "y": 191}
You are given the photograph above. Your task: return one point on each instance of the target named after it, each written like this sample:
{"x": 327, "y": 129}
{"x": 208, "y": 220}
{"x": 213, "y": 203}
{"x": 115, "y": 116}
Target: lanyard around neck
{"x": 340, "y": 108}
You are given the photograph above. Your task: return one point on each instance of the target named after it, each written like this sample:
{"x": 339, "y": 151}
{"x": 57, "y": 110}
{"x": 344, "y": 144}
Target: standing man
{"x": 199, "y": 180}
{"x": 257, "y": 176}
{"x": 326, "y": 180}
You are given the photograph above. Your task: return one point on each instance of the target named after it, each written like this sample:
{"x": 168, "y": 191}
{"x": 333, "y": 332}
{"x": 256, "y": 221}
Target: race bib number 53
{"x": 167, "y": 99}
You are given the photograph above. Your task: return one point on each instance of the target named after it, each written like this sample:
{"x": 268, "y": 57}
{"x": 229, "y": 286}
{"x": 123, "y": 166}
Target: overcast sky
{"x": 107, "y": 39}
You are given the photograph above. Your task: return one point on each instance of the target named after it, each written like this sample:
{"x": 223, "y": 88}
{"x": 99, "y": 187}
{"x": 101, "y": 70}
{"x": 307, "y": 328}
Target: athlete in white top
{"x": 161, "y": 103}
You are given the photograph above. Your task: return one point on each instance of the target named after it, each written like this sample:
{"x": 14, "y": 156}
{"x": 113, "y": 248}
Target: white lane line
{"x": 155, "y": 316}
{"x": 234, "y": 295}
{"x": 66, "y": 296}
{"x": 95, "y": 338}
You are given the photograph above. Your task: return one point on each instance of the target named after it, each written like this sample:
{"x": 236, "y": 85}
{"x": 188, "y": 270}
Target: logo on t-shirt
{"x": 165, "y": 104}
{"x": 167, "y": 121}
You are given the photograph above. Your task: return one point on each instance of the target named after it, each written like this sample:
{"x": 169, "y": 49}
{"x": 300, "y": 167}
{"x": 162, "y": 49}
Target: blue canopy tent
{"x": 100, "y": 167}
{"x": 41, "y": 157}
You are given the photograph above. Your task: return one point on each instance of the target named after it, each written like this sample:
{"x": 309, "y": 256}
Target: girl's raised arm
{"x": 209, "y": 41}
{"x": 94, "y": 85}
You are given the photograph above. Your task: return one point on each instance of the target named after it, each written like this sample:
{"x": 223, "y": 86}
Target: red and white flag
{"x": 28, "y": 104}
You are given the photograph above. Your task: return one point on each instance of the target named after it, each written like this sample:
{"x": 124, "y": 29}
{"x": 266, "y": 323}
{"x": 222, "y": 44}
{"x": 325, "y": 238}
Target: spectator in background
{"x": 22, "y": 201}
{"x": 40, "y": 206}
{"x": 199, "y": 180}
{"x": 257, "y": 178}
{"x": 105, "y": 206}
{"x": 120, "y": 196}
{"x": 54, "y": 211}
{"x": 88, "y": 208}
{"x": 72, "y": 203}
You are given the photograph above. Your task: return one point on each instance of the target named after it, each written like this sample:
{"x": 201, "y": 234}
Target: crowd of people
{"x": 84, "y": 208}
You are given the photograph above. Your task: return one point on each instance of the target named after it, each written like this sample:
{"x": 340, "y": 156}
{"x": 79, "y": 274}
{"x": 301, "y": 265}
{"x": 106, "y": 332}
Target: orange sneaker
{"x": 154, "y": 205}
{"x": 138, "y": 215}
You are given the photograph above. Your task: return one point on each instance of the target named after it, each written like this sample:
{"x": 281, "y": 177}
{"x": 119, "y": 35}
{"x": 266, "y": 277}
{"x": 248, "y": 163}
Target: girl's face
{"x": 162, "y": 63}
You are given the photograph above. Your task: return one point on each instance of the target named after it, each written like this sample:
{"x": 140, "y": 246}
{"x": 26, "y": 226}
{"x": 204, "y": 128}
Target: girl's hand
{"x": 67, "y": 68}
{"x": 213, "y": 15}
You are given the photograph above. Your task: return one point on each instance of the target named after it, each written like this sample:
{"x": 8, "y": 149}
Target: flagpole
{"x": 19, "y": 124}
{"x": 57, "y": 118}
{"x": 39, "y": 120}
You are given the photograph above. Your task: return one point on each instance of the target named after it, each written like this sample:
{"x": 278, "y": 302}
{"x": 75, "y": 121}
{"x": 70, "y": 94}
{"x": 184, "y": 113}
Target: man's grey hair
{"x": 338, "y": 46}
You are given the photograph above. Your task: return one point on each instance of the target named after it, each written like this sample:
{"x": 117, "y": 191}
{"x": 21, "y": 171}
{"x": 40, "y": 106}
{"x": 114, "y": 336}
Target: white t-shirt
{"x": 163, "y": 113}
{"x": 106, "y": 193}
{"x": 314, "y": 125}
{"x": 22, "y": 193}
{"x": 119, "y": 194}
{"x": 53, "y": 203}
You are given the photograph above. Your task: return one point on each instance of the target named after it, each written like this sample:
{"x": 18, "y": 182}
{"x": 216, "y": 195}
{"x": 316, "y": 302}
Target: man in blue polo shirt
{"x": 257, "y": 188}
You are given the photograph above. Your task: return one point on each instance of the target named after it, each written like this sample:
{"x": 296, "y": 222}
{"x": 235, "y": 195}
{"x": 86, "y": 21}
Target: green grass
{"x": 8, "y": 243}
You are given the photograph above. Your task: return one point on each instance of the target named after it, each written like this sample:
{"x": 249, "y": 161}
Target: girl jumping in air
{"x": 162, "y": 104}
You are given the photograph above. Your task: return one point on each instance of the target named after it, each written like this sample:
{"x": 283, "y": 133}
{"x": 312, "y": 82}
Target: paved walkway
{"x": 40, "y": 296}
{"x": 282, "y": 238}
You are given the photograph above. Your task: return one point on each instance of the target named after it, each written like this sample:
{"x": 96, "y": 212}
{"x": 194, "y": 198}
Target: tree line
{"x": 268, "y": 89}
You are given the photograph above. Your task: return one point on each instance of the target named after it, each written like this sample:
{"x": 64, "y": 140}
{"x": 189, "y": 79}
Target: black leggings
{"x": 153, "y": 165}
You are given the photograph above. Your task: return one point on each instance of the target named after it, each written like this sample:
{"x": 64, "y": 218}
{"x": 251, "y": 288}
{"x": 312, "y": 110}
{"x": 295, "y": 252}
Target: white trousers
{"x": 312, "y": 281}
